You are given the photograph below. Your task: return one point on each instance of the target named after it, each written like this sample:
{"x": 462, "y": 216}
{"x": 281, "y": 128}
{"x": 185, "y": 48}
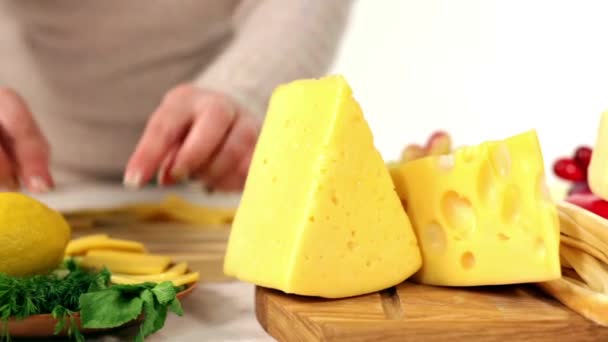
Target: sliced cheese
{"x": 126, "y": 262}
{"x": 598, "y": 167}
{"x": 78, "y": 245}
{"x": 483, "y": 215}
{"x": 319, "y": 215}
{"x": 180, "y": 280}
{"x": 186, "y": 279}
{"x": 172, "y": 273}
{"x": 102, "y": 241}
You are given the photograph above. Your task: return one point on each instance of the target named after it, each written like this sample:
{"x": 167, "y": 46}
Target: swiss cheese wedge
{"x": 483, "y": 215}
{"x": 319, "y": 215}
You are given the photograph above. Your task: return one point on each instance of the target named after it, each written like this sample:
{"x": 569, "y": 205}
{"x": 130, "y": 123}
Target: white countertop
{"x": 214, "y": 311}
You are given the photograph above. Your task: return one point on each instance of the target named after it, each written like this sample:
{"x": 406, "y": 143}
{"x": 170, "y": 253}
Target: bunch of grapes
{"x": 574, "y": 170}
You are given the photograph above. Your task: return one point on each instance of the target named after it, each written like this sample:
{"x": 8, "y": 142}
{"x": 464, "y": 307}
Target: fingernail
{"x": 132, "y": 180}
{"x": 179, "y": 175}
{"x": 38, "y": 184}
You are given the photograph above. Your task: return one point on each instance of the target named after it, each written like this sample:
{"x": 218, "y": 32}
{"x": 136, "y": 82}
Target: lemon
{"x": 33, "y": 237}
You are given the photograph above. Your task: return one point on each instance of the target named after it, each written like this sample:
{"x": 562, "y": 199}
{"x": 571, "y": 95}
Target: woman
{"x": 142, "y": 89}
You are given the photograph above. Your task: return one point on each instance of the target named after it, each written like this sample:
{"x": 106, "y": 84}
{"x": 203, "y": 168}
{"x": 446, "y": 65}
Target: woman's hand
{"x": 24, "y": 151}
{"x": 195, "y": 134}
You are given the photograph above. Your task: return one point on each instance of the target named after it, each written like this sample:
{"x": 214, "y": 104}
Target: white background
{"x": 481, "y": 69}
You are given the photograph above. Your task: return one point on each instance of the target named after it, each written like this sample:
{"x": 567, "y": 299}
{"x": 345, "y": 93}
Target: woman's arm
{"x": 276, "y": 41}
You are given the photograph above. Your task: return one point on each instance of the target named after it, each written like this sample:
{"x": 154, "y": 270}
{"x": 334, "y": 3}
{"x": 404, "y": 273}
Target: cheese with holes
{"x": 319, "y": 215}
{"x": 483, "y": 214}
{"x": 598, "y": 168}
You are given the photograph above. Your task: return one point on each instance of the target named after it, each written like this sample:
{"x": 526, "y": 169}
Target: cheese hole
{"x": 446, "y": 162}
{"x": 501, "y": 159}
{"x": 265, "y": 161}
{"x": 467, "y": 260}
{"x": 511, "y": 205}
{"x": 311, "y": 218}
{"x": 503, "y": 237}
{"x": 334, "y": 198}
{"x": 351, "y": 245}
{"x": 353, "y": 233}
{"x": 434, "y": 236}
{"x": 458, "y": 213}
{"x": 274, "y": 179}
{"x": 368, "y": 263}
{"x": 539, "y": 247}
{"x": 486, "y": 186}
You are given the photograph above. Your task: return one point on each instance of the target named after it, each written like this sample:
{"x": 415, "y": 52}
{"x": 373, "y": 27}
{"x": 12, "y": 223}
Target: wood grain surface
{"x": 202, "y": 247}
{"x": 412, "y": 312}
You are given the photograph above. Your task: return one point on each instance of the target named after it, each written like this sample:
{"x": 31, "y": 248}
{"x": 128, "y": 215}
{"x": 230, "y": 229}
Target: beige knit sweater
{"x": 93, "y": 71}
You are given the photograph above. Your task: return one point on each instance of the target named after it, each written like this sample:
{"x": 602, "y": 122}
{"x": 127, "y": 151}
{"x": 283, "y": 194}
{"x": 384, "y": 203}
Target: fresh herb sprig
{"x": 101, "y": 305}
{"x": 120, "y": 304}
{"x": 56, "y": 293}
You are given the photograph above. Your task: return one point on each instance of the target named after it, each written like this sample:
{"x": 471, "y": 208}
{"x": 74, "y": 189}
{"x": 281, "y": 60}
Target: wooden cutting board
{"x": 203, "y": 247}
{"x": 412, "y": 312}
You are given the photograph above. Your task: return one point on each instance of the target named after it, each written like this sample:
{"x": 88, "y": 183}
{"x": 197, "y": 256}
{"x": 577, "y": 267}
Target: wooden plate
{"x": 43, "y": 325}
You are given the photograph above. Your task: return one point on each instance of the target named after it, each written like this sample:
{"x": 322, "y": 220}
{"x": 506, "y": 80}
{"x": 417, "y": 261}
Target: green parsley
{"x": 101, "y": 305}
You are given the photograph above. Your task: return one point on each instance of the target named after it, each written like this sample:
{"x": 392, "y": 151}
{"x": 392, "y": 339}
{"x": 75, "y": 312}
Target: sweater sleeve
{"x": 276, "y": 41}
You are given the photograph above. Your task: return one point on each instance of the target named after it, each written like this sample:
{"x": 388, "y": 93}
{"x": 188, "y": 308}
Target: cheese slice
{"x": 319, "y": 215}
{"x": 126, "y": 262}
{"x": 81, "y": 245}
{"x": 177, "y": 280}
{"x": 483, "y": 215}
{"x": 598, "y": 167}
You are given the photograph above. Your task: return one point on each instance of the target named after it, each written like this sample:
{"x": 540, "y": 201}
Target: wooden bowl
{"x": 43, "y": 325}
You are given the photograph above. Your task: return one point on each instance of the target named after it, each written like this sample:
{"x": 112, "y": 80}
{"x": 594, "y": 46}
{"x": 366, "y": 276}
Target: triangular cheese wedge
{"x": 319, "y": 215}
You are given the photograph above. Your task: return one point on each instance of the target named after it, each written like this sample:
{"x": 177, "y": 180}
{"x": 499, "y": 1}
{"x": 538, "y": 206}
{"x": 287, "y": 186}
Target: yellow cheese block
{"x": 483, "y": 215}
{"x": 319, "y": 215}
{"x": 126, "y": 262}
{"x": 598, "y": 167}
{"x": 102, "y": 241}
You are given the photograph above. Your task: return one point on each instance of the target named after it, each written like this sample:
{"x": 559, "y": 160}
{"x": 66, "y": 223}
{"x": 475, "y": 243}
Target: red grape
{"x": 567, "y": 169}
{"x": 591, "y": 203}
{"x": 582, "y": 156}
